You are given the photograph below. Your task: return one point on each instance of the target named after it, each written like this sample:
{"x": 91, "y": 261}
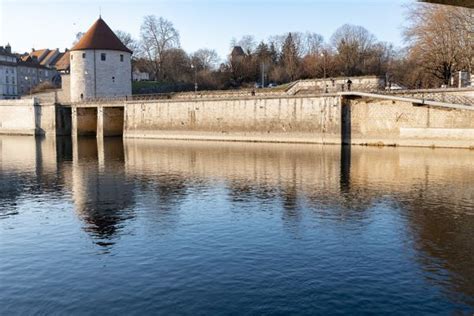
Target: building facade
{"x": 8, "y": 74}
{"x": 100, "y": 65}
{"x": 32, "y": 74}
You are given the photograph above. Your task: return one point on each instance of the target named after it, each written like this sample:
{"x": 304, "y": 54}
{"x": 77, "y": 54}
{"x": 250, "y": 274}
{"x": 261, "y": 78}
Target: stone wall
{"x": 25, "y": 117}
{"x": 382, "y": 122}
{"x": 284, "y": 119}
{"x": 329, "y": 119}
{"x": 323, "y": 119}
{"x": 64, "y": 94}
{"x": 17, "y": 117}
{"x": 363, "y": 83}
{"x": 93, "y": 77}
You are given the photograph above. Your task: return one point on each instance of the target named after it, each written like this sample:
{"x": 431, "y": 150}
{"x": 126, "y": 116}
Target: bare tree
{"x": 127, "y": 40}
{"x": 312, "y": 43}
{"x": 205, "y": 59}
{"x": 176, "y": 69}
{"x": 352, "y": 43}
{"x": 440, "y": 39}
{"x": 157, "y": 36}
{"x": 79, "y": 35}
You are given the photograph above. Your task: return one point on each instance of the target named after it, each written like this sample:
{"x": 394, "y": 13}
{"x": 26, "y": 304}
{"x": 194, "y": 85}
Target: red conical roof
{"x": 100, "y": 36}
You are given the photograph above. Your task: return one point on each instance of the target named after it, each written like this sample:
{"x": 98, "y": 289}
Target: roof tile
{"x": 100, "y": 36}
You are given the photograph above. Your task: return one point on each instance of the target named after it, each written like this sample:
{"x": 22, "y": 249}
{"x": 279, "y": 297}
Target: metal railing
{"x": 437, "y": 95}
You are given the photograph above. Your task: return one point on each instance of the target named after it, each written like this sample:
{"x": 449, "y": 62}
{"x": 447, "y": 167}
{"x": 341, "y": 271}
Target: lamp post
{"x": 195, "y": 78}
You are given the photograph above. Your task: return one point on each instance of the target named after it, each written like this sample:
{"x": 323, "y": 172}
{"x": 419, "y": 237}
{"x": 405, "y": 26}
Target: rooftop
{"x": 459, "y": 3}
{"x": 62, "y": 63}
{"x": 100, "y": 36}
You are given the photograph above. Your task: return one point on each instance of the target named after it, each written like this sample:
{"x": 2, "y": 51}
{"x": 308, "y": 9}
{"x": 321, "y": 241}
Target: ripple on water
{"x": 205, "y": 228}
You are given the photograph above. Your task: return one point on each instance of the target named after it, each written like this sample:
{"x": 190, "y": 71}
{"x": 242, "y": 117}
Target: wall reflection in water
{"x": 112, "y": 183}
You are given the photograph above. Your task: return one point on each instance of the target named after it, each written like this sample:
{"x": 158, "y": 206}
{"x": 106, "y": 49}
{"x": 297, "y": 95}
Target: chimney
{"x": 8, "y": 49}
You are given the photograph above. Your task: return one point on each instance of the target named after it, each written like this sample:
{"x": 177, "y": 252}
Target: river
{"x": 198, "y": 228}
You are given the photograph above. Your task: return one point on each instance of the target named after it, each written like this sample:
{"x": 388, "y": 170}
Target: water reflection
{"x": 30, "y": 166}
{"x": 103, "y": 197}
{"x": 117, "y": 186}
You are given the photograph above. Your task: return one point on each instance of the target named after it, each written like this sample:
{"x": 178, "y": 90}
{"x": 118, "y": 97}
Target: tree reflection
{"x": 443, "y": 231}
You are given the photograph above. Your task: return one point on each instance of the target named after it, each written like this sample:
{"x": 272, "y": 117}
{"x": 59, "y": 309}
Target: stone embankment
{"x": 413, "y": 118}
{"x": 363, "y": 119}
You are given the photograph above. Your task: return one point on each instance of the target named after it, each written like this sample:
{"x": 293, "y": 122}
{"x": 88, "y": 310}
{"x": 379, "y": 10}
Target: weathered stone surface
{"x": 313, "y": 120}
{"x": 23, "y": 117}
{"x": 93, "y": 77}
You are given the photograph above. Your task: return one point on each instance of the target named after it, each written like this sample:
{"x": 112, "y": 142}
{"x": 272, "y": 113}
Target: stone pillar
{"x": 100, "y": 122}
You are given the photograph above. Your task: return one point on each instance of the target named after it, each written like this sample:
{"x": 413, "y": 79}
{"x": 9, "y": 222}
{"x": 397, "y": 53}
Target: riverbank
{"x": 341, "y": 118}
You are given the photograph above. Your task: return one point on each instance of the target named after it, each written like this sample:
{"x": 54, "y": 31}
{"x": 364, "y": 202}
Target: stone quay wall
{"x": 17, "y": 117}
{"x": 395, "y": 123}
{"x": 316, "y": 119}
{"x": 329, "y": 119}
{"x": 28, "y": 117}
{"x": 281, "y": 119}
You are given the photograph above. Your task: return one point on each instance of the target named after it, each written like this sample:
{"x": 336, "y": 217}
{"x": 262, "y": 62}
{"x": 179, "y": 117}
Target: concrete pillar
{"x": 110, "y": 121}
{"x": 84, "y": 121}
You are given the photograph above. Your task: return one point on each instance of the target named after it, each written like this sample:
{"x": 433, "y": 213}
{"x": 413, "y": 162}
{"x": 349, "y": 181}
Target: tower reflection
{"x": 102, "y": 196}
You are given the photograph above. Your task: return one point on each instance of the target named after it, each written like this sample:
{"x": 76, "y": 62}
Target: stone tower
{"x": 100, "y": 65}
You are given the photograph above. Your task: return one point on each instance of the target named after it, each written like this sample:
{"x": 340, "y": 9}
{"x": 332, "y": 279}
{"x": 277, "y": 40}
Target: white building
{"x": 100, "y": 65}
{"x": 8, "y": 74}
{"x": 140, "y": 76}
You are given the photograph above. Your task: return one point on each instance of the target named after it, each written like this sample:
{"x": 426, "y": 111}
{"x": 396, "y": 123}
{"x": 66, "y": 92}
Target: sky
{"x": 27, "y": 24}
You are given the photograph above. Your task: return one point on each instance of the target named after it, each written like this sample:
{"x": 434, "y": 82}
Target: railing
{"x": 184, "y": 96}
{"x": 428, "y": 95}
{"x": 438, "y": 95}
{"x": 139, "y": 97}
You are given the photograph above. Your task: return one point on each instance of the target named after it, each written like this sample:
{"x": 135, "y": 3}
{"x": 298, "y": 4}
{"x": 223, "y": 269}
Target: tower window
{"x": 121, "y": 57}
{"x": 83, "y": 55}
{"x": 103, "y": 56}
{"x": 113, "y": 79}
{"x": 72, "y": 56}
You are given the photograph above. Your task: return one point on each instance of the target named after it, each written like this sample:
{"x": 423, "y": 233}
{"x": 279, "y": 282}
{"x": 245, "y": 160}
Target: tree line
{"x": 440, "y": 42}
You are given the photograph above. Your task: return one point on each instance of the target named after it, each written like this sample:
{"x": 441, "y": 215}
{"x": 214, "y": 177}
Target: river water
{"x": 199, "y": 228}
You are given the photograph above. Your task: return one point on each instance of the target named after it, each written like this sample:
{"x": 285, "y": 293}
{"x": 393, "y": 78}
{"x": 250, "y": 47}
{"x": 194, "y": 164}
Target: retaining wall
{"x": 25, "y": 117}
{"x": 298, "y": 120}
{"x": 317, "y": 119}
{"x": 17, "y": 117}
{"x": 383, "y": 122}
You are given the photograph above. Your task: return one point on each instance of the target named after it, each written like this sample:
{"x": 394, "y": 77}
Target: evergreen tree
{"x": 290, "y": 58}
{"x": 273, "y": 53}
